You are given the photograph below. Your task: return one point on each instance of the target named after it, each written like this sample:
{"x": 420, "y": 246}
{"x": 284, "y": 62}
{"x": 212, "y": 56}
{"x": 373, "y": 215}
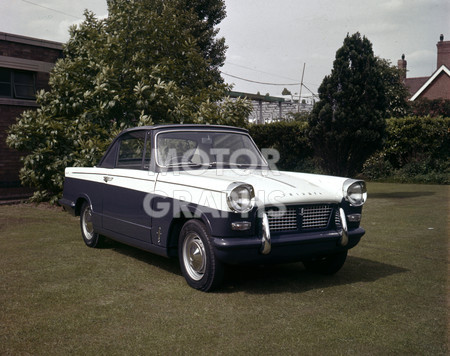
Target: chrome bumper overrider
{"x": 343, "y": 241}
{"x": 265, "y": 238}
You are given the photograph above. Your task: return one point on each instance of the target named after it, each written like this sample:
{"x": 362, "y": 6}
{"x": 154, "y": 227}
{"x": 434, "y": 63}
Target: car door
{"x": 126, "y": 187}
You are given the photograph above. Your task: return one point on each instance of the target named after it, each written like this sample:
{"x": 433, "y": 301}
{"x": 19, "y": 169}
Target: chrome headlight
{"x": 240, "y": 197}
{"x": 355, "y": 192}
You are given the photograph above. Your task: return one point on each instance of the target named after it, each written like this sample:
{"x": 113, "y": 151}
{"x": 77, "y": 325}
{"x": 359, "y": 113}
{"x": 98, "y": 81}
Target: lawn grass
{"x": 59, "y": 297}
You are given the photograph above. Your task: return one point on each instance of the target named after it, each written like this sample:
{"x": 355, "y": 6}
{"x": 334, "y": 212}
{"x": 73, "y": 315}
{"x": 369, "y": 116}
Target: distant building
{"x": 268, "y": 108}
{"x": 435, "y": 86}
{"x": 25, "y": 64}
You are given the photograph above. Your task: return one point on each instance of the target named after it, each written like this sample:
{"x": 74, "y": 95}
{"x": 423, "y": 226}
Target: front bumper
{"x": 284, "y": 247}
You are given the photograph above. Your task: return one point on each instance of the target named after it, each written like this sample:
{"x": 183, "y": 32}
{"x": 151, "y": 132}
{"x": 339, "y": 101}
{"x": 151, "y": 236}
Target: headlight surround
{"x": 355, "y": 192}
{"x": 240, "y": 197}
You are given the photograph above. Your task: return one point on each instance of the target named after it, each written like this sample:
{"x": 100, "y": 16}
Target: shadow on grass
{"x": 277, "y": 278}
{"x": 293, "y": 278}
{"x": 400, "y": 195}
{"x": 168, "y": 264}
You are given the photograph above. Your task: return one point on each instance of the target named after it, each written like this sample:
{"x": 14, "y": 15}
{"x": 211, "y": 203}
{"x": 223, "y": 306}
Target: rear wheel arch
{"x": 78, "y": 206}
{"x": 79, "y": 203}
{"x": 90, "y": 237}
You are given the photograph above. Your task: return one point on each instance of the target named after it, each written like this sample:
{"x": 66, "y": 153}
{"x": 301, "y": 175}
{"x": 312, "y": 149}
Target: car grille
{"x": 299, "y": 218}
{"x": 337, "y": 220}
{"x": 282, "y": 220}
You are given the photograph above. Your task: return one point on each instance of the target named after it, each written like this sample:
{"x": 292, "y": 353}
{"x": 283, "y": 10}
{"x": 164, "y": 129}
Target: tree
{"x": 396, "y": 92}
{"x": 348, "y": 123}
{"x": 149, "y": 62}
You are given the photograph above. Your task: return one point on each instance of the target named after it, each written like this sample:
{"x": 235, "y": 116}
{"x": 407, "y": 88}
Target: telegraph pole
{"x": 301, "y": 86}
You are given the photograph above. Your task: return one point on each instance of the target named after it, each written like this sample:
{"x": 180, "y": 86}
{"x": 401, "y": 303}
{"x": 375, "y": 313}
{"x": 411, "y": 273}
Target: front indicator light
{"x": 354, "y": 218}
{"x": 241, "y": 225}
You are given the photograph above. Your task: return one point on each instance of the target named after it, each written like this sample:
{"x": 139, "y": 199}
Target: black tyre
{"x": 199, "y": 265}
{"x": 90, "y": 237}
{"x": 327, "y": 264}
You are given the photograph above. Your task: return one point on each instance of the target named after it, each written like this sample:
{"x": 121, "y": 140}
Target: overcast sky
{"x": 269, "y": 41}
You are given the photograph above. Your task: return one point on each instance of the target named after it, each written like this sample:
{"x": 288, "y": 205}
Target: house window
{"x": 5, "y": 82}
{"x": 17, "y": 84}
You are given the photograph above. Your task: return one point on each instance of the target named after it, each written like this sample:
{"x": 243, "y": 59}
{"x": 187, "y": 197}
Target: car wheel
{"x": 328, "y": 264}
{"x": 199, "y": 265}
{"x": 90, "y": 237}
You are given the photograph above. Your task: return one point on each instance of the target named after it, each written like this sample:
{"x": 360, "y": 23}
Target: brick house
{"x": 435, "y": 86}
{"x": 25, "y": 65}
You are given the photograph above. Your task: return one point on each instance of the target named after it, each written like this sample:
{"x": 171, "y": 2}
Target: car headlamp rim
{"x": 355, "y": 192}
{"x": 236, "y": 190}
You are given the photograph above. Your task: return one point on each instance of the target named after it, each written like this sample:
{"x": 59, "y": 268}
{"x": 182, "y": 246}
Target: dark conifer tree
{"x": 348, "y": 123}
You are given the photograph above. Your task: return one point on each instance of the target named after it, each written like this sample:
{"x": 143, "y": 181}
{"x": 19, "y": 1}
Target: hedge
{"x": 416, "y": 149}
{"x": 289, "y": 139}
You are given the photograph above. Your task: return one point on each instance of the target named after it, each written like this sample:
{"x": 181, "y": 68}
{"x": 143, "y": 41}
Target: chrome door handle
{"x": 107, "y": 179}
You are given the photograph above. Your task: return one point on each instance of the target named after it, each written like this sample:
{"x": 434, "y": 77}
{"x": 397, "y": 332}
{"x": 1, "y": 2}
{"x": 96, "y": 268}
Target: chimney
{"x": 401, "y": 64}
{"x": 443, "y": 53}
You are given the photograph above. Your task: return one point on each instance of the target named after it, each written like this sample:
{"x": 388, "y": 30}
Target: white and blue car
{"x": 206, "y": 194}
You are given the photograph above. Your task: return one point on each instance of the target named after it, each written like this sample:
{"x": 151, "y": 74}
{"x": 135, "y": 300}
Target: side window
{"x": 131, "y": 151}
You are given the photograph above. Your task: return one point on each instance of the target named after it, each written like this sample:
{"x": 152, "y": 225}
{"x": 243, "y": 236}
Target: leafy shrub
{"x": 416, "y": 150}
{"x": 433, "y": 108}
{"x": 377, "y": 167}
{"x": 414, "y": 139}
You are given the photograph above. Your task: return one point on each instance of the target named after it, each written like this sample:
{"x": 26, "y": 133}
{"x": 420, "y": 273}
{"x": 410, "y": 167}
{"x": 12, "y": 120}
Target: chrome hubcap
{"x": 88, "y": 227}
{"x": 194, "y": 256}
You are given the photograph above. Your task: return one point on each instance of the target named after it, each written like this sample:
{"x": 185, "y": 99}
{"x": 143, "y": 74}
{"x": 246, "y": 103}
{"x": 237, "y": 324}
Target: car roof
{"x": 185, "y": 127}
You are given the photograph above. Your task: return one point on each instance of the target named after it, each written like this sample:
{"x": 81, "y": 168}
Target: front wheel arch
{"x": 199, "y": 265}
{"x": 187, "y": 213}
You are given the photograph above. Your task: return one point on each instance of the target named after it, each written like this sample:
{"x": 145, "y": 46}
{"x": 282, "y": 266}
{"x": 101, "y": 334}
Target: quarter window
{"x": 132, "y": 148}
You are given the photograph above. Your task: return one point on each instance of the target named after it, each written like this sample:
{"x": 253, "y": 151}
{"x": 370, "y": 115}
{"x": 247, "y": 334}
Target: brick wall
{"x": 19, "y": 52}
{"x": 25, "y": 51}
{"x": 443, "y": 53}
{"x": 439, "y": 89}
{"x": 9, "y": 159}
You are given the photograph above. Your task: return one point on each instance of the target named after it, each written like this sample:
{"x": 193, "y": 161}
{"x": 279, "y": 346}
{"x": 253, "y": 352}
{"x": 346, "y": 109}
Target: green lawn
{"x": 59, "y": 297}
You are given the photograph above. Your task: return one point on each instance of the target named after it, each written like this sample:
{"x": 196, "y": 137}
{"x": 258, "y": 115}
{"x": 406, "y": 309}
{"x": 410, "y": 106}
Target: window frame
{"x": 14, "y": 90}
{"x": 111, "y": 158}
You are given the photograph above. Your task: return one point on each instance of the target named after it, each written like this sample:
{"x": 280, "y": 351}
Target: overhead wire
{"x": 51, "y": 9}
{"x": 274, "y": 84}
{"x": 257, "y": 82}
{"x": 258, "y": 71}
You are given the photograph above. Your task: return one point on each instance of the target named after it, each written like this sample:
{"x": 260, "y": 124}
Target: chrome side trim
{"x": 343, "y": 241}
{"x": 265, "y": 238}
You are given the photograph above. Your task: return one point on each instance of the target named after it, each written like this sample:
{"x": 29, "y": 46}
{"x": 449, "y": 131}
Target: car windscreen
{"x": 207, "y": 148}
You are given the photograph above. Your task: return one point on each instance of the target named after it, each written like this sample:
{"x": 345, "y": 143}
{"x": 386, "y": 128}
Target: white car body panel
{"x": 208, "y": 187}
